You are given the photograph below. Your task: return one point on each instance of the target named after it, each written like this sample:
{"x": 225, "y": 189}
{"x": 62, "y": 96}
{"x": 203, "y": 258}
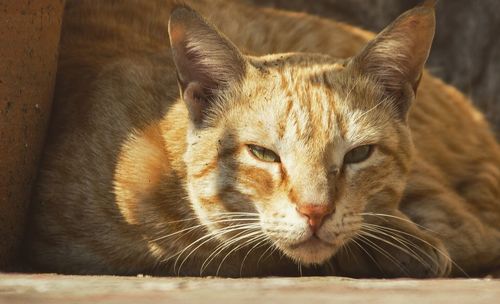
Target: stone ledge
{"x": 50, "y": 288}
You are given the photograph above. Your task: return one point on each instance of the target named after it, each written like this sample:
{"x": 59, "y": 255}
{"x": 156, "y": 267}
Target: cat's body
{"x": 125, "y": 178}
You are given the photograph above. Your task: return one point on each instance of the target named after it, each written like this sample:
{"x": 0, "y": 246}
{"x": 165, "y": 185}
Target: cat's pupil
{"x": 263, "y": 154}
{"x": 358, "y": 154}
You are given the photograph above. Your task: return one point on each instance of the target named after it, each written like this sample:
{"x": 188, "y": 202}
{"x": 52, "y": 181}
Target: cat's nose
{"x": 315, "y": 214}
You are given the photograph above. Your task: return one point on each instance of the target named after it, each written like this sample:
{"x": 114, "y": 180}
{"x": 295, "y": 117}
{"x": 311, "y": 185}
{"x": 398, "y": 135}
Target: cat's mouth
{"x": 313, "y": 250}
{"x": 313, "y": 241}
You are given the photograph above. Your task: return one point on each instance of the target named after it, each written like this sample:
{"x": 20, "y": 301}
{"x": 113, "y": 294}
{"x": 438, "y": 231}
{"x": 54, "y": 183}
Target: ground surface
{"x": 20, "y": 288}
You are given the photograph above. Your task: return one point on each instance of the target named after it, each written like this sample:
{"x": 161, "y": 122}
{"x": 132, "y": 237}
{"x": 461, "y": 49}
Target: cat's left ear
{"x": 396, "y": 57}
{"x": 207, "y": 63}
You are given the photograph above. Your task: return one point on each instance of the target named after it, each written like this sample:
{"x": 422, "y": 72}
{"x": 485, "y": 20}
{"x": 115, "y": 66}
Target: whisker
{"x": 264, "y": 240}
{"x": 236, "y": 248}
{"x": 411, "y": 235}
{"x": 367, "y": 253}
{"x": 210, "y": 237}
{"x": 444, "y": 254}
{"x": 262, "y": 255}
{"x": 330, "y": 268}
{"x": 399, "y": 218}
{"x": 380, "y": 229}
{"x": 238, "y": 213}
{"x": 226, "y": 214}
{"x": 347, "y": 249}
{"x": 408, "y": 251}
{"x": 393, "y": 233}
{"x": 178, "y": 232}
{"x": 272, "y": 251}
{"x": 222, "y": 247}
{"x": 382, "y": 251}
{"x": 200, "y": 226}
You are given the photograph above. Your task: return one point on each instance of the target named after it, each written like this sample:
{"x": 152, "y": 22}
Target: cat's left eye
{"x": 358, "y": 154}
{"x": 263, "y": 154}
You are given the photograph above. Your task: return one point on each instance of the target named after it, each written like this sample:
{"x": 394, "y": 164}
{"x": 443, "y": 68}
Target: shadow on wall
{"x": 466, "y": 50}
{"x": 29, "y": 37}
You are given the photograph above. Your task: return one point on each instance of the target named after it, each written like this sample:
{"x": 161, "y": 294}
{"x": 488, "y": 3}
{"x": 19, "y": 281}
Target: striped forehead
{"x": 309, "y": 106}
{"x": 310, "y": 109}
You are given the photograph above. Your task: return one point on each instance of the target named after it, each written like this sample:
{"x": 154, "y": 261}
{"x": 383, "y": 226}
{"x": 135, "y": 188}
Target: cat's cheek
{"x": 274, "y": 210}
{"x": 364, "y": 179}
{"x": 346, "y": 221}
{"x": 281, "y": 221}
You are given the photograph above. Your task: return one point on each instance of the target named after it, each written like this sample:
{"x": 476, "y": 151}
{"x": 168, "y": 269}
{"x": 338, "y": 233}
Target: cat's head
{"x": 294, "y": 148}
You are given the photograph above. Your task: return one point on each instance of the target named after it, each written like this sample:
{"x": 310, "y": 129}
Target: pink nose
{"x": 315, "y": 214}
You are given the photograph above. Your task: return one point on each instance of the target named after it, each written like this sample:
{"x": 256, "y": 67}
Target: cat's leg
{"x": 433, "y": 230}
{"x": 391, "y": 245}
{"x": 473, "y": 244}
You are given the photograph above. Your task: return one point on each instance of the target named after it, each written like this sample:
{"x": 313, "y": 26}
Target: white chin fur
{"x": 309, "y": 254}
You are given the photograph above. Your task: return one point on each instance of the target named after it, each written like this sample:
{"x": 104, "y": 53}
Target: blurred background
{"x": 466, "y": 50}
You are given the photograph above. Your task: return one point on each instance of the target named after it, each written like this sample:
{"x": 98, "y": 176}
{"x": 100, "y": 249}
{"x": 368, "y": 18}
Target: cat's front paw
{"x": 412, "y": 256}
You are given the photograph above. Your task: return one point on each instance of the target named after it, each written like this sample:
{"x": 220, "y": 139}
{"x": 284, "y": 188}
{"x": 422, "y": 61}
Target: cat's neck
{"x": 173, "y": 128}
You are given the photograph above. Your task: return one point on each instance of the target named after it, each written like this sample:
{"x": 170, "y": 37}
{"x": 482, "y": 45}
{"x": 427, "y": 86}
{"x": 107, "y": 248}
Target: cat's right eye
{"x": 358, "y": 154}
{"x": 263, "y": 154}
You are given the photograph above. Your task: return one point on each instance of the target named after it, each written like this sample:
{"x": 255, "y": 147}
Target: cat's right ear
{"x": 207, "y": 63}
{"x": 396, "y": 57}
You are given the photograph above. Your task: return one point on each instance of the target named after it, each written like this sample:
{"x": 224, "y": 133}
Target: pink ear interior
{"x": 396, "y": 57}
{"x": 207, "y": 62}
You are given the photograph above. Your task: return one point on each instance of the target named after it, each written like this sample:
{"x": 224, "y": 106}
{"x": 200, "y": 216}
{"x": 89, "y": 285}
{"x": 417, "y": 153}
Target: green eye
{"x": 263, "y": 154}
{"x": 358, "y": 154}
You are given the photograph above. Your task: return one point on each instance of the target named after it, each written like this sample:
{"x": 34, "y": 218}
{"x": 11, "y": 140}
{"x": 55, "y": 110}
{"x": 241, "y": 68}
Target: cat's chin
{"x": 310, "y": 251}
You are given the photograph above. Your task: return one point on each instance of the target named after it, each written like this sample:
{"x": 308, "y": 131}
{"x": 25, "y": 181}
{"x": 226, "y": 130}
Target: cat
{"x": 259, "y": 143}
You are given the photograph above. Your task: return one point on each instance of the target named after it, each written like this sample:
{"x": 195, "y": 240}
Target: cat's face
{"x": 328, "y": 143}
{"x": 294, "y": 148}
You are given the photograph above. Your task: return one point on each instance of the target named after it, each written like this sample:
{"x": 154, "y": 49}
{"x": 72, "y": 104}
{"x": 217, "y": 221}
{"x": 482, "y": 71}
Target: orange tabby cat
{"x": 321, "y": 158}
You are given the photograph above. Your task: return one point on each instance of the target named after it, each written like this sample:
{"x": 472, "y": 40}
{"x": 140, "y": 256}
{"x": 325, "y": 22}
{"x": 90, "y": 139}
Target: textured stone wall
{"x": 29, "y": 38}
